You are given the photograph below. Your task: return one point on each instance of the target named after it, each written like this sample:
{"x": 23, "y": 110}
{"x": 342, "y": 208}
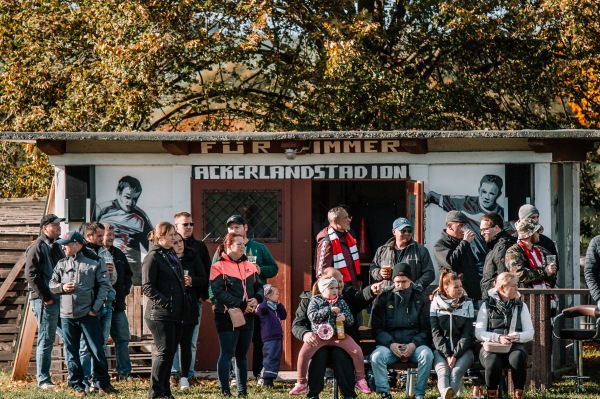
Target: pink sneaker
{"x": 298, "y": 389}
{"x": 362, "y": 386}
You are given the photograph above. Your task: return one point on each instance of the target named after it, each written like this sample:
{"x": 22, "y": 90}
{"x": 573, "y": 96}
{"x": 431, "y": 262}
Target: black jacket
{"x": 402, "y": 318}
{"x": 123, "y": 285}
{"x": 199, "y": 288}
{"x": 456, "y": 255}
{"x": 199, "y": 247}
{"x": 494, "y": 260}
{"x": 592, "y": 268}
{"x": 452, "y": 328}
{"x": 164, "y": 286}
{"x": 41, "y": 258}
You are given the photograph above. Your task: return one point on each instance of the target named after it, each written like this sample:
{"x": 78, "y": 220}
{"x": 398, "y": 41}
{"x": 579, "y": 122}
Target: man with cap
{"x": 527, "y": 260}
{"x": 403, "y": 248}
{"x": 84, "y": 284}
{"x": 453, "y": 252}
{"x": 529, "y": 211}
{"x": 497, "y": 242}
{"x": 401, "y": 328}
{"x": 40, "y": 259}
{"x": 267, "y": 268}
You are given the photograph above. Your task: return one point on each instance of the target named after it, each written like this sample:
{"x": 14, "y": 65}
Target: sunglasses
{"x": 187, "y": 224}
{"x": 406, "y": 230}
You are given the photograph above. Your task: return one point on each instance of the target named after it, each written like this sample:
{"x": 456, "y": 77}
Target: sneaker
{"x": 89, "y": 388}
{"x": 362, "y": 386}
{"x": 79, "y": 392}
{"x": 48, "y": 385}
{"x": 298, "y": 389}
{"x": 477, "y": 392}
{"x": 386, "y": 395}
{"x": 127, "y": 377}
{"x": 448, "y": 393}
{"x": 226, "y": 392}
{"x": 419, "y": 396}
{"x": 260, "y": 382}
{"x": 174, "y": 379}
{"x": 108, "y": 390}
{"x": 184, "y": 384}
{"x": 243, "y": 394}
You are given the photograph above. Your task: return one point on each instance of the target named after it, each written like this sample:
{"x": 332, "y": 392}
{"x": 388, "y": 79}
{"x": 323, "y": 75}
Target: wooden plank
{"x": 136, "y": 321}
{"x": 12, "y": 276}
{"x": 9, "y": 328}
{"x": 10, "y": 258}
{"x": 25, "y": 344}
{"x": 21, "y": 230}
{"x": 20, "y": 245}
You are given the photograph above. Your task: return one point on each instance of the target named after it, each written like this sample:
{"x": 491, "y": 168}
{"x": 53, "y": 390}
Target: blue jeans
{"x": 104, "y": 317}
{"x": 119, "y": 331}
{"x": 451, "y": 377}
{"x": 89, "y": 327}
{"x": 383, "y": 356}
{"x": 234, "y": 343}
{"x": 176, "y": 359}
{"x": 48, "y": 319}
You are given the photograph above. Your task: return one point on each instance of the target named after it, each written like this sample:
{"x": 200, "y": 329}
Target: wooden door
{"x": 415, "y": 208}
{"x": 289, "y": 243}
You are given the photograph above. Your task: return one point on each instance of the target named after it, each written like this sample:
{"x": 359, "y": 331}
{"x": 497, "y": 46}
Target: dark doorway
{"x": 377, "y": 202}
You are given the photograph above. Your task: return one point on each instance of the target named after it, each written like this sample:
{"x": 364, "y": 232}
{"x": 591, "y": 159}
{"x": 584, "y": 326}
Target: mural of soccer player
{"x": 132, "y": 225}
{"x": 490, "y": 188}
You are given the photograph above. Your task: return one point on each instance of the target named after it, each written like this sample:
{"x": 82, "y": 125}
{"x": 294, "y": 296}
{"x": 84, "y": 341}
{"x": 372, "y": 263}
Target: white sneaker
{"x": 48, "y": 385}
{"x": 184, "y": 384}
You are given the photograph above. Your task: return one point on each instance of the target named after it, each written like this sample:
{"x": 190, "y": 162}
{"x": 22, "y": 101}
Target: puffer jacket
{"x": 452, "y": 326}
{"x": 401, "y": 317}
{"x": 456, "y": 255}
{"x": 491, "y": 323}
{"x": 228, "y": 278}
{"x": 415, "y": 254}
{"x": 495, "y": 260}
{"x": 164, "y": 286}
{"x": 92, "y": 285}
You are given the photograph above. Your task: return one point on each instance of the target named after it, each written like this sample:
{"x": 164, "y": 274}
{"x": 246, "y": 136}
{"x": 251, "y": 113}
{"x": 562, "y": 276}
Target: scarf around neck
{"x": 338, "y": 257}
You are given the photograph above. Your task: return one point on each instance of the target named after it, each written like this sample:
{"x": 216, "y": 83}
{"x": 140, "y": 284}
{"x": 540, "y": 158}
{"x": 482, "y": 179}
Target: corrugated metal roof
{"x": 282, "y": 136}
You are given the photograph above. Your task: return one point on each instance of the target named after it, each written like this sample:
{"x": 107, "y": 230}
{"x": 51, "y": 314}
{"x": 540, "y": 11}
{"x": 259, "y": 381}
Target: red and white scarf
{"x": 338, "y": 257}
{"x": 536, "y": 260}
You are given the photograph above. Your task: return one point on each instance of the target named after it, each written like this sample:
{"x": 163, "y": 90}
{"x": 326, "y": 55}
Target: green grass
{"x": 209, "y": 389}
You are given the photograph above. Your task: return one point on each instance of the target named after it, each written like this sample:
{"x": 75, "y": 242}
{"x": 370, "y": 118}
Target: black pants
{"x": 166, "y": 335}
{"x": 257, "y": 348}
{"x": 185, "y": 349}
{"x": 516, "y": 360}
{"x": 343, "y": 371}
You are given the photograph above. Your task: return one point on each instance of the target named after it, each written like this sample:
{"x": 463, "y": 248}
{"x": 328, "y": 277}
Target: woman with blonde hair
{"x": 451, "y": 316}
{"x": 164, "y": 285}
{"x": 504, "y": 319}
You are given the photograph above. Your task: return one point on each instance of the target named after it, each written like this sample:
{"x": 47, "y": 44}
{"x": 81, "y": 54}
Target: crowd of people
{"x": 78, "y": 284}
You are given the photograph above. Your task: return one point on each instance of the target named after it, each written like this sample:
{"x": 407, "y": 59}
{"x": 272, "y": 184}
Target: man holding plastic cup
{"x": 453, "y": 252}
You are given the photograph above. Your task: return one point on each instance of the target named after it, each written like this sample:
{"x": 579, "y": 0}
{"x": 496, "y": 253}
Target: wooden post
{"x": 14, "y": 273}
{"x": 25, "y": 343}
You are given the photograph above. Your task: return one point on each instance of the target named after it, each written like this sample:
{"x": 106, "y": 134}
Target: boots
{"x": 519, "y": 394}
{"x": 492, "y": 394}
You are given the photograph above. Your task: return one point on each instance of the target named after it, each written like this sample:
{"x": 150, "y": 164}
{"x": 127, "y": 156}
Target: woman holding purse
{"x": 504, "y": 326}
{"x": 237, "y": 289}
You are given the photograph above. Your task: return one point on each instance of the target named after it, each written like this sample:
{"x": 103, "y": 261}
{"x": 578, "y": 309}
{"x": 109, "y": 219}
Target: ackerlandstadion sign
{"x": 280, "y": 172}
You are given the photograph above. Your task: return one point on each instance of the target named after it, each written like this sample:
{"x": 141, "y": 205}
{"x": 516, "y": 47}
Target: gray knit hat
{"x": 527, "y": 211}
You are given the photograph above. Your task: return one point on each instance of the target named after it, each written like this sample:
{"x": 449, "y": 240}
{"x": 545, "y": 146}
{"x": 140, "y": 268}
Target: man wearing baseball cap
{"x": 84, "y": 284}
{"x": 267, "y": 268}
{"x": 453, "y": 252}
{"x": 527, "y": 260}
{"x": 402, "y": 331}
{"x": 40, "y": 259}
{"x": 402, "y": 248}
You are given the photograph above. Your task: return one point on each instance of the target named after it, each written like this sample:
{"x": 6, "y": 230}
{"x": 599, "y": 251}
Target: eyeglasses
{"x": 406, "y": 230}
{"x": 191, "y": 224}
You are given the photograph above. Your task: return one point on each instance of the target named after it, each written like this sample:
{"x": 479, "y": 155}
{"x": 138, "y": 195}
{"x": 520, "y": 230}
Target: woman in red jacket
{"x": 235, "y": 284}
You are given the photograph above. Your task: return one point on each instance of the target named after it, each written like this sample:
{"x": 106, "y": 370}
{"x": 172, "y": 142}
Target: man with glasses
{"x": 337, "y": 248}
{"x": 403, "y": 334}
{"x": 497, "y": 241}
{"x": 185, "y": 227}
{"x": 453, "y": 252}
{"x": 402, "y": 248}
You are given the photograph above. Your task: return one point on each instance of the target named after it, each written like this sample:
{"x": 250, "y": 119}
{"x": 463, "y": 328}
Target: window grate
{"x": 260, "y": 208}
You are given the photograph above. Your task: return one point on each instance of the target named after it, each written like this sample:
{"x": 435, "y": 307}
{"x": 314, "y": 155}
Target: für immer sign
{"x": 317, "y": 172}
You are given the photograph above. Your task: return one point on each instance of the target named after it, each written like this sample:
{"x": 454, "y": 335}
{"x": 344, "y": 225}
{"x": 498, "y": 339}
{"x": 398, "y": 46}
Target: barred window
{"x": 261, "y": 209}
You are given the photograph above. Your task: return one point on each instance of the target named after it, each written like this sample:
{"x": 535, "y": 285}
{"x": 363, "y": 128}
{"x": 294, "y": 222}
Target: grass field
{"x": 209, "y": 388}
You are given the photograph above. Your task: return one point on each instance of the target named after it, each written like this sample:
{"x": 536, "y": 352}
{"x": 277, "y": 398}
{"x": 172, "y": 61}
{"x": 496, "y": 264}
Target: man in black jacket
{"x": 497, "y": 241}
{"x": 119, "y": 327}
{"x": 453, "y": 252}
{"x": 40, "y": 259}
{"x": 592, "y": 269}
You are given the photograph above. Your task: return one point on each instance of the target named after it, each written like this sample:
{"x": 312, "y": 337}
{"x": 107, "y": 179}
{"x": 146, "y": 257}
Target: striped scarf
{"x": 338, "y": 257}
